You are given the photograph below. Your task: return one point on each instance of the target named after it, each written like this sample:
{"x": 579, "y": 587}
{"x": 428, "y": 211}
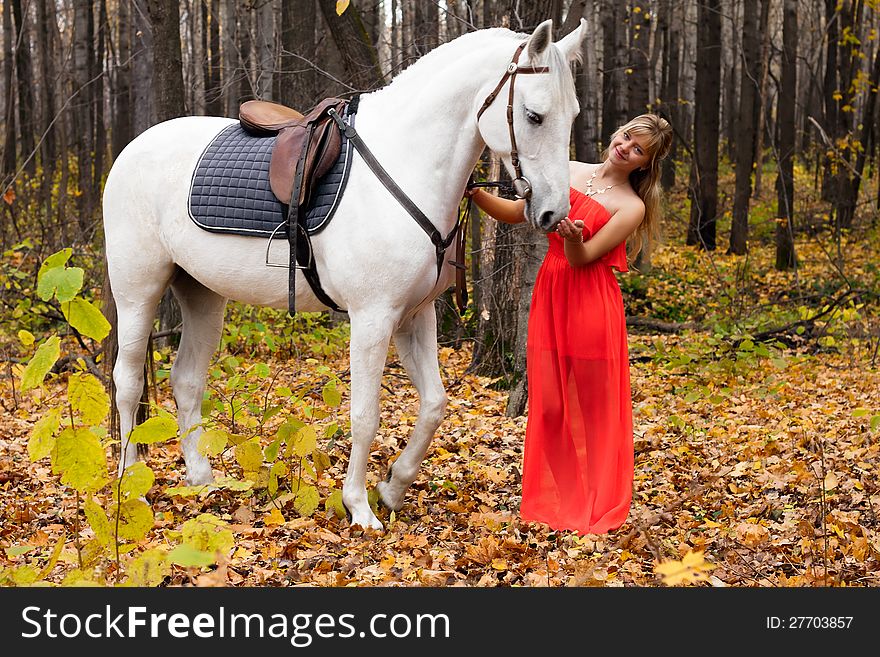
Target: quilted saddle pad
{"x": 230, "y": 192}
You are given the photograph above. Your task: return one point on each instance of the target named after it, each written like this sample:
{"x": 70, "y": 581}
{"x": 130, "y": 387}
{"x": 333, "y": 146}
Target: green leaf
{"x": 87, "y": 395}
{"x": 41, "y": 363}
{"x": 334, "y": 503}
{"x": 86, "y": 318}
{"x": 136, "y": 481}
{"x": 307, "y": 500}
{"x": 207, "y": 533}
{"x": 98, "y": 522}
{"x": 190, "y": 557}
{"x": 63, "y": 282}
{"x": 42, "y": 440}
{"x": 154, "y": 430}
{"x": 249, "y": 455}
{"x": 57, "y": 259}
{"x": 331, "y": 395}
{"x": 135, "y": 520}
{"x": 80, "y": 460}
{"x": 149, "y": 568}
{"x": 18, "y": 550}
{"x": 875, "y": 422}
{"x": 213, "y": 442}
{"x": 861, "y": 412}
{"x": 26, "y": 338}
{"x": 271, "y": 452}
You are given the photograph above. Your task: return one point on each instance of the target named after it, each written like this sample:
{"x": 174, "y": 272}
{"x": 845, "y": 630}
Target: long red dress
{"x": 578, "y": 460}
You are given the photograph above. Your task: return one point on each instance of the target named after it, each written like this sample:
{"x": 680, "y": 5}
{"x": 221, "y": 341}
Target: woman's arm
{"x": 621, "y": 225}
{"x": 501, "y": 209}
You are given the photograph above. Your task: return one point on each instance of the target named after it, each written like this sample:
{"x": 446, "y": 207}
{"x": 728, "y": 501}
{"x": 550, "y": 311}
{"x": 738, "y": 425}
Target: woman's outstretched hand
{"x": 571, "y": 230}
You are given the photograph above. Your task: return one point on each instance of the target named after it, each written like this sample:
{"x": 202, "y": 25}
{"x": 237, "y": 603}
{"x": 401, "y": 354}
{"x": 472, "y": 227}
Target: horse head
{"x": 532, "y": 136}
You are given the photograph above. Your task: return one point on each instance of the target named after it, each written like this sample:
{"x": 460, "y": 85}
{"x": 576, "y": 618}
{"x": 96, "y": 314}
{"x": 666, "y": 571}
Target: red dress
{"x": 578, "y": 460}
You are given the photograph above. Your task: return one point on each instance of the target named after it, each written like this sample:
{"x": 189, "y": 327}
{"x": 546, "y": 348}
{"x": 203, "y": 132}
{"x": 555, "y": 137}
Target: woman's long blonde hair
{"x": 646, "y": 182}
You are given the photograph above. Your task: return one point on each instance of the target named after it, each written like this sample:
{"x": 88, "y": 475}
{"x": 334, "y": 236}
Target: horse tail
{"x": 110, "y": 349}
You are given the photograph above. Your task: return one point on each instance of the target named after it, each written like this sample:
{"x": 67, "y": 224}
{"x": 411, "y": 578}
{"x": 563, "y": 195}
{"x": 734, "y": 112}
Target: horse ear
{"x": 570, "y": 44}
{"x": 540, "y": 39}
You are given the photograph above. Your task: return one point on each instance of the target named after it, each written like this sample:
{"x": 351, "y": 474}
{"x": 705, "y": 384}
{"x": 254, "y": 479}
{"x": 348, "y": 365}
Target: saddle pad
{"x": 230, "y": 192}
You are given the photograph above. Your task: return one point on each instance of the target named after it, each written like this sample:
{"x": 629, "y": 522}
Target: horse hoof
{"x": 387, "y": 498}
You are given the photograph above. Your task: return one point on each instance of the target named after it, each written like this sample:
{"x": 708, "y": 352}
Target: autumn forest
{"x": 753, "y": 324}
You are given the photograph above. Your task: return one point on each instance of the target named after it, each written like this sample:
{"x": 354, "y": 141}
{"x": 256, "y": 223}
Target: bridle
{"x": 521, "y": 185}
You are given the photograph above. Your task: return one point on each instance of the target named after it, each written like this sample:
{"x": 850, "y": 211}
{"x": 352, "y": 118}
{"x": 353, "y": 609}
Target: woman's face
{"x": 628, "y": 150}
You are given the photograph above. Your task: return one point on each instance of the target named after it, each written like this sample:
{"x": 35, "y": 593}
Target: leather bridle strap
{"x": 513, "y": 69}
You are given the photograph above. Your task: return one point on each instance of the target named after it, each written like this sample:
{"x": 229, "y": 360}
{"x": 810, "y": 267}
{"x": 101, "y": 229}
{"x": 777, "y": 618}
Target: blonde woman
{"x": 578, "y": 456}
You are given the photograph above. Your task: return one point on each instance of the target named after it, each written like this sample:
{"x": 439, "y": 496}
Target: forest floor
{"x": 755, "y": 461}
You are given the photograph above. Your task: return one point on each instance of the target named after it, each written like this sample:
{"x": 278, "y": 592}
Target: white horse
{"x": 373, "y": 259}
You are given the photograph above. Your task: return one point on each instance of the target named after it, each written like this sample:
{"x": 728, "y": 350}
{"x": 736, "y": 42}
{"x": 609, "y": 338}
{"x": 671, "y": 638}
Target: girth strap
{"x": 440, "y": 243}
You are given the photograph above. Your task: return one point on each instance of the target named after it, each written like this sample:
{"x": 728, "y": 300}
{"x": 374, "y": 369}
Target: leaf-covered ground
{"x": 756, "y": 461}
{"x": 768, "y": 469}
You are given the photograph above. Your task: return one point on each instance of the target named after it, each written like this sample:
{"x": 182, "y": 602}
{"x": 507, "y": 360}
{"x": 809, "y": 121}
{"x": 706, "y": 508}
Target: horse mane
{"x": 562, "y": 86}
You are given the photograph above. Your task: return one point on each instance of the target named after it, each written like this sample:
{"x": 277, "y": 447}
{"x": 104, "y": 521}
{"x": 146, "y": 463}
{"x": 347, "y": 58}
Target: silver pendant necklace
{"x": 592, "y": 192}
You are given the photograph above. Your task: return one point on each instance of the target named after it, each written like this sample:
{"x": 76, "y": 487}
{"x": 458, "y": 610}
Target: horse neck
{"x": 423, "y": 127}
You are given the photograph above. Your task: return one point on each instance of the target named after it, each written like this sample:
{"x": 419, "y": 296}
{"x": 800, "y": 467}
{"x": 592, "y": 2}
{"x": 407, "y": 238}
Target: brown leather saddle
{"x": 312, "y": 138}
{"x": 306, "y": 147}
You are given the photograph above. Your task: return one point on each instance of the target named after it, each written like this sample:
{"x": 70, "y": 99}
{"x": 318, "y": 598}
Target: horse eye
{"x": 534, "y": 117}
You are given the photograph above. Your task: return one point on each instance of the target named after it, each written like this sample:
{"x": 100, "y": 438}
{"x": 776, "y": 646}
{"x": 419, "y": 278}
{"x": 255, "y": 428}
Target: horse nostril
{"x": 546, "y": 221}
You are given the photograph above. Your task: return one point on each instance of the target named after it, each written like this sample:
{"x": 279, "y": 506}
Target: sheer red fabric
{"x": 578, "y": 460}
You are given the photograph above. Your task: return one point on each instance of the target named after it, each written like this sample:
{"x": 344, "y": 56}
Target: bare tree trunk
{"x": 229, "y": 58}
{"x": 265, "y": 47}
{"x": 638, "y": 67}
{"x": 670, "y": 90}
{"x": 122, "y": 119}
{"x": 9, "y": 141}
{"x": 298, "y": 24}
{"x": 81, "y": 110}
{"x": 785, "y": 254}
{"x": 100, "y": 138}
{"x": 586, "y": 133}
{"x": 704, "y": 193}
{"x": 143, "y": 106}
{"x": 426, "y": 28}
{"x": 46, "y": 50}
{"x": 745, "y": 130}
{"x": 24, "y": 75}
{"x": 355, "y": 47}
{"x": 762, "y": 98}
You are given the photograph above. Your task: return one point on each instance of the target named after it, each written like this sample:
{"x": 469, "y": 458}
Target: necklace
{"x": 592, "y": 192}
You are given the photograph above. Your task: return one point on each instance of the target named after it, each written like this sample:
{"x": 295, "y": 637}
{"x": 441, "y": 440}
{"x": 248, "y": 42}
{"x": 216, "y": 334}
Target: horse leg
{"x": 135, "y": 312}
{"x": 416, "y": 344}
{"x": 370, "y": 336}
{"x": 203, "y": 313}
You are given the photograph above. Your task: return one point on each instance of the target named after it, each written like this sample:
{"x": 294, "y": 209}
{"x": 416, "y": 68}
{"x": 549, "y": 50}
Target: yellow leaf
{"x": 274, "y": 517}
{"x": 341, "y": 6}
{"x": 26, "y": 338}
{"x": 830, "y": 481}
{"x": 692, "y": 568}
{"x": 499, "y": 564}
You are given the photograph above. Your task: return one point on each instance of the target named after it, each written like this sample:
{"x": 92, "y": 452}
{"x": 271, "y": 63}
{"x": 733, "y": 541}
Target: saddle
{"x": 306, "y": 147}
{"x": 312, "y": 137}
